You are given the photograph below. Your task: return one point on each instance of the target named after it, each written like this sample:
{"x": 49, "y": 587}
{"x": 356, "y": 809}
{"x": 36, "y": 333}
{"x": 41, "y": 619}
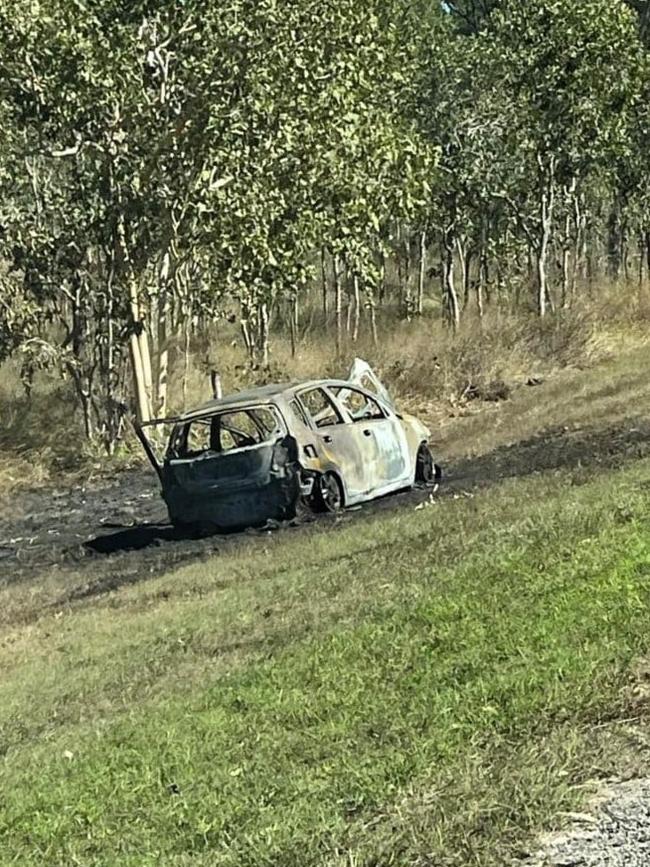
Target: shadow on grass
{"x": 136, "y": 538}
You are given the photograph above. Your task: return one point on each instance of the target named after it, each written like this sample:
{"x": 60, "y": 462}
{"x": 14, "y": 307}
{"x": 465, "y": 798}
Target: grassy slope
{"x": 419, "y": 687}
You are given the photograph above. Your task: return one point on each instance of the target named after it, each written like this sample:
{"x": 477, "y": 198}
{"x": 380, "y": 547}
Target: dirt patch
{"x": 122, "y": 523}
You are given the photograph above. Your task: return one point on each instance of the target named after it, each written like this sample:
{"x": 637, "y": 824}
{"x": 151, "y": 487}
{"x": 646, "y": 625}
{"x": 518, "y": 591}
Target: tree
{"x": 572, "y": 73}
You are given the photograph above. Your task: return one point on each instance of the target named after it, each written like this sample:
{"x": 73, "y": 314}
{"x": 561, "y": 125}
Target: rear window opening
{"x": 226, "y": 432}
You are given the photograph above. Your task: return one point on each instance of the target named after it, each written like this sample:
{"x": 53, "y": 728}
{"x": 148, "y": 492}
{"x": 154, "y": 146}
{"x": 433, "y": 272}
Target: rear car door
{"x": 342, "y": 445}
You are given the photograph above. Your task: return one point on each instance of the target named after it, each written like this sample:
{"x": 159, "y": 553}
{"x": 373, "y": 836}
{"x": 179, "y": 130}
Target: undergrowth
{"x": 426, "y": 366}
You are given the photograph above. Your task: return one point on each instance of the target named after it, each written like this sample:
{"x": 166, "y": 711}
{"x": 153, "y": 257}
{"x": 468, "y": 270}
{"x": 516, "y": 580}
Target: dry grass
{"x": 452, "y": 381}
{"x": 473, "y": 388}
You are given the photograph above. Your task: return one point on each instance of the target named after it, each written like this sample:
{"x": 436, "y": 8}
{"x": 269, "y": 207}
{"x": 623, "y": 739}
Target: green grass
{"x": 416, "y": 688}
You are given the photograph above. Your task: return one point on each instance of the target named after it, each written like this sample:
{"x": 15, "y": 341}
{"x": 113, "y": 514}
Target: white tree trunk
{"x": 547, "y": 204}
{"x": 357, "y": 308}
{"x": 138, "y": 362}
{"x": 451, "y": 296}
{"x": 323, "y": 271}
{"x": 338, "y": 304}
{"x": 422, "y": 272}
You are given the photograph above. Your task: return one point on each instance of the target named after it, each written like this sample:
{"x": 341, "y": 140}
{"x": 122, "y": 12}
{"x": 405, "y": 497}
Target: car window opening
{"x": 320, "y": 407}
{"x": 360, "y": 406}
{"x": 299, "y": 412}
{"x": 227, "y": 431}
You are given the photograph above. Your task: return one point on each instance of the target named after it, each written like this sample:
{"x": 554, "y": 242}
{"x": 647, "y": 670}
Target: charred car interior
{"x": 255, "y": 456}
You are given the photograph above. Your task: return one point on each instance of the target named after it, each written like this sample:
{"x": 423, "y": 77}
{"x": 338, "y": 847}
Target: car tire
{"x": 328, "y": 493}
{"x": 426, "y": 471}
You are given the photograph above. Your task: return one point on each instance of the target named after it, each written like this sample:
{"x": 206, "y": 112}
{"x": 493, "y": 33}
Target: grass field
{"x": 418, "y": 687}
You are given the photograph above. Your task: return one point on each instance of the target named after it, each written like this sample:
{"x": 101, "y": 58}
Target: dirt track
{"x": 122, "y": 524}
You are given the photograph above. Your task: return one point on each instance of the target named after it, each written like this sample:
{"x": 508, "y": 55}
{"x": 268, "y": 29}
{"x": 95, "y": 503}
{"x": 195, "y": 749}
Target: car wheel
{"x": 426, "y": 472}
{"x": 328, "y": 494}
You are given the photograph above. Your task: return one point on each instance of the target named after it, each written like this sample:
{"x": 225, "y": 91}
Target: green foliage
{"x": 164, "y": 163}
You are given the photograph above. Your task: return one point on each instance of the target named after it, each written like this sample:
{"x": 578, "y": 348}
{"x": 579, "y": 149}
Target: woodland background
{"x": 267, "y": 187}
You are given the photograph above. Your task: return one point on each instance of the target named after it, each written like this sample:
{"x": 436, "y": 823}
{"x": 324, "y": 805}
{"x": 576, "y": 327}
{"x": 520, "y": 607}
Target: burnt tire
{"x": 328, "y": 494}
{"x": 426, "y": 471}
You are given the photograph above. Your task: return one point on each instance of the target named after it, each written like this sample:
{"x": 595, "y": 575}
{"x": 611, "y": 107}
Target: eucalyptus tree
{"x": 223, "y": 141}
{"x": 571, "y": 73}
{"x": 464, "y": 110}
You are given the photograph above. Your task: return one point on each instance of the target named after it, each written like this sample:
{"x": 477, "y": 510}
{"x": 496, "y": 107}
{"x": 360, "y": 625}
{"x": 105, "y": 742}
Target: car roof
{"x": 262, "y": 394}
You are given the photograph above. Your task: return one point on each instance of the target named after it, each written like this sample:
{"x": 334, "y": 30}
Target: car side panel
{"x": 391, "y": 465}
{"x": 334, "y": 448}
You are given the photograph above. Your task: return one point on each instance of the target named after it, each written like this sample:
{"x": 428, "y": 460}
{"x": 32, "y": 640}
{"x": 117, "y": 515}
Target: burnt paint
{"x": 240, "y": 488}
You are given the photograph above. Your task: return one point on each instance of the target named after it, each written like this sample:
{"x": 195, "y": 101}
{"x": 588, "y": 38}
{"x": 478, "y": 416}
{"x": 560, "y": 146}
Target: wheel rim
{"x": 330, "y": 492}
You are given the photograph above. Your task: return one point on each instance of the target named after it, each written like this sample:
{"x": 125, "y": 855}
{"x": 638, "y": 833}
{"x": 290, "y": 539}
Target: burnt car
{"x": 257, "y": 455}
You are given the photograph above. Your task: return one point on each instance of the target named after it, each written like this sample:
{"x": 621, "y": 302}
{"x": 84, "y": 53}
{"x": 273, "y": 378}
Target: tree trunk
{"x": 566, "y": 256}
{"x": 577, "y": 219}
{"x": 542, "y": 255}
{"x": 292, "y": 331}
{"x": 142, "y": 407}
{"x": 571, "y": 214}
{"x": 483, "y": 282}
{"x": 641, "y": 260}
{"x": 625, "y": 252}
{"x": 338, "y": 304}
{"x": 547, "y": 204}
{"x": 422, "y": 272}
{"x": 373, "y": 323}
{"x": 357, "y": 308}
{"x": 542, "y": 289}
{"x": 349, "y": 300}
{"x": 452, "y": 306}
{"x": 324, "y": 287}
{"x": 145, "y": 355}
{"x": 461, "y": 247}
{"x": 163, "y": 357}
{"x": 138, "y": 363}
{"x": 408, "y": 299}
{"x": 382, "y": 279}
{"x": 187, "y": 323}
{"x": 216, "y": 385}
{"x": 263, "y": 314}
{"x": 614, "y": 252}
{"x": 585, "y": 269}
{"x": 112, "y": 409}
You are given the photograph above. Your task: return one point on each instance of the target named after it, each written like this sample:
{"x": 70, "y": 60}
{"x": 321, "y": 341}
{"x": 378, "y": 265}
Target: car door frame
{"x": 388, "y": 484}
{"x": 345, "y": 458}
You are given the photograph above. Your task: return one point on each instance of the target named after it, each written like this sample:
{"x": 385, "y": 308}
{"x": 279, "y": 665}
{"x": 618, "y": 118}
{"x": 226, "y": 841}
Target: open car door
{"x": 362, "y": 374}
{"x": 154, "y": 439}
